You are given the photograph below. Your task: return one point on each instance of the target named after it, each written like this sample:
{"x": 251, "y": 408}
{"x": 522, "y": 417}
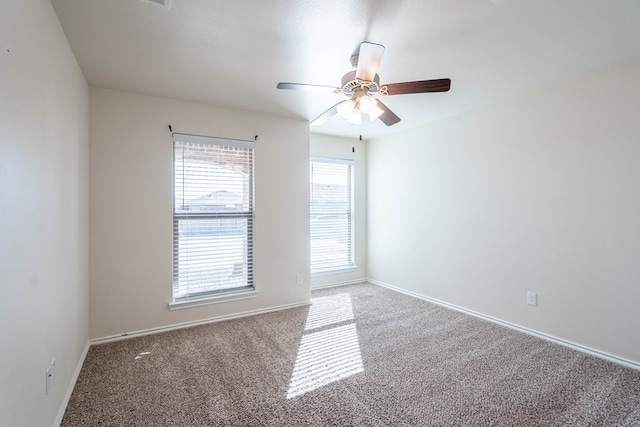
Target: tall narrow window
{"x": 331, "y": 228}
{"x": 212, "y": 216}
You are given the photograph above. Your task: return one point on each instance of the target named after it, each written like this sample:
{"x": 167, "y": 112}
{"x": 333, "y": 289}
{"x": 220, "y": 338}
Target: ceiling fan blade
{"x": 420, "y": 86}
{"x": 322, "y": 118}
{"x": 369, "y": 60}
{"x": 389, "y": 118}
{"x": 303, "y": 86}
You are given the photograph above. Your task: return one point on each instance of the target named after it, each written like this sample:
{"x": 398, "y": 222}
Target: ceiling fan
{"x": 360, "y": 86}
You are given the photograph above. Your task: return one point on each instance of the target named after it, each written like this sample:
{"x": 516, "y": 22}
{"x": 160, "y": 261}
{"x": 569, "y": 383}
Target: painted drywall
{"x": 44, "y": 210}
{"x": 130, "y": 266}
{"x": 541, "y": 193}
{"x": 356, "y": 150}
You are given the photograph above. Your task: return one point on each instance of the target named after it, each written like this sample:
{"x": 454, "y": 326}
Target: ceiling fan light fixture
{"x": 345, "y": 109}
{"x": 367, "y": 104}
{"x": 362, "y": 84}
{"x": 375, "y": 112}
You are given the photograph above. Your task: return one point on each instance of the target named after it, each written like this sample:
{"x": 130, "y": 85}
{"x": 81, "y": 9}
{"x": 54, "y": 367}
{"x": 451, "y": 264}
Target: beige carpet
{"x": 361, "y": 355}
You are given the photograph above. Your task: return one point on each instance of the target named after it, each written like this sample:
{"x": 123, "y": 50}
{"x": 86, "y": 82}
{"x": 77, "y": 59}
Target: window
{"x": 212, "y": 216}
{"x": 331, "y": 228}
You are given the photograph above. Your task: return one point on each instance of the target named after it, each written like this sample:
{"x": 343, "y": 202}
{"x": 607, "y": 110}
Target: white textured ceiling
{"x": 234, "y": 52}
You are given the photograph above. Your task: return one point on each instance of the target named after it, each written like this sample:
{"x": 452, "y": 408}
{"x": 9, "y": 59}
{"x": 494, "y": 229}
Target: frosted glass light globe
{"x": 346, "y": 108}
{"x": 367, "y": 104}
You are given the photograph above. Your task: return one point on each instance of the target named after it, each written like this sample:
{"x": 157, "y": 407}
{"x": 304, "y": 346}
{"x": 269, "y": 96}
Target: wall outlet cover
{"x": 532, "y": 298}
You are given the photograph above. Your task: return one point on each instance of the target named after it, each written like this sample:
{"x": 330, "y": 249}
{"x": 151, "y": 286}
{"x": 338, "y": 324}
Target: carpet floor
{"x": 360, "y": 355}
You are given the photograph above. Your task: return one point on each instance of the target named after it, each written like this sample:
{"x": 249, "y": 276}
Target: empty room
{"x": 365, "y": 213}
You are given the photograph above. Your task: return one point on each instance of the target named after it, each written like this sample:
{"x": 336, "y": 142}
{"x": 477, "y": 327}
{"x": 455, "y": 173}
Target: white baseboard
{"x": 71, "y": 386}
{"x": 195, "y": 323}
{"x": 334, "y": 284}
{"x": 601, "y": 354}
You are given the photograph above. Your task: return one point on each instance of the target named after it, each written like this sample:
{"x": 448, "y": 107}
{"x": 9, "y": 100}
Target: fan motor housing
{"x": 351, "y": 83}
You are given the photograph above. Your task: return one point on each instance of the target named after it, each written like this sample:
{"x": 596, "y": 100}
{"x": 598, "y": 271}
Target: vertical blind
{"x": 212, "y": 215}
{"x": 331, "y": 214}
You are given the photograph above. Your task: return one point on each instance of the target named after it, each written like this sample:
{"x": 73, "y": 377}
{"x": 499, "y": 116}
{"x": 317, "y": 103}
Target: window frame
{"x": 211, "y": 295}
{"x": 351, "y": 264}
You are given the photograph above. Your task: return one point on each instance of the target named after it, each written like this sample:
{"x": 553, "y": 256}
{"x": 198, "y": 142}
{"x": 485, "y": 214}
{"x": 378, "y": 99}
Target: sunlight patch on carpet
{"x": 329, "y": 310}
{"x": 327, "y": 355}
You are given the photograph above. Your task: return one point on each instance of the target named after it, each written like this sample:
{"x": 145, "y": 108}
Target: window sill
{"x": 212, "y": 299}
{"x": 334, "y": 271}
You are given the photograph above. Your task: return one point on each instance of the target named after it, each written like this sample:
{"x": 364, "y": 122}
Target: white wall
{"x": 356, "y": 150}
{"x": 43, "y": 207}
{"x": 130, "y": 266}
{"x": 540, "y": 193}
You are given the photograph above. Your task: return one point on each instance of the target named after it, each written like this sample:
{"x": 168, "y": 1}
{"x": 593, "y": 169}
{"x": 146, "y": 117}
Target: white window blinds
{"x": 212, "y": 216}
{"x": 331, "y": 214}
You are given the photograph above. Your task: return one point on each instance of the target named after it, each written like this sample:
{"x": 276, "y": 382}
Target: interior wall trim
{"x": 334, "y": 284}
{"x": 71, "y": 386}
{"x": 584, "y": 349}
{"x": 160, "y": 329}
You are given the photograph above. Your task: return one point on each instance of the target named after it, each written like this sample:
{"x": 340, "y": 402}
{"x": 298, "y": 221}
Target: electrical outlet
{"x": 51, "y": 375}
{"x": 299, "y": 278}
{"x": 532, "y": 298}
